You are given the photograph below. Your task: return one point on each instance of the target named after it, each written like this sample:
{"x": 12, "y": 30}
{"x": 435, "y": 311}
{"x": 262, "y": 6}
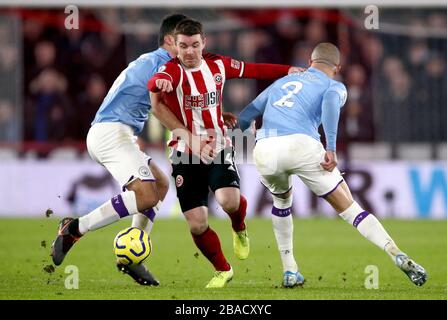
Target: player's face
{"x": 190, "y": 49}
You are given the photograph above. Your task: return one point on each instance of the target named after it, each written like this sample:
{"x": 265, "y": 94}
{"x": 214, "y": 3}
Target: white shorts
{"x": 278, "y": 158}
{"x": 114, "y": 145}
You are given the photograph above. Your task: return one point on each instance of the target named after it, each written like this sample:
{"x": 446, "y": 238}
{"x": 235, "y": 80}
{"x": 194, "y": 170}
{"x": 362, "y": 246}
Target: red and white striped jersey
{"x": 196, "y": 99}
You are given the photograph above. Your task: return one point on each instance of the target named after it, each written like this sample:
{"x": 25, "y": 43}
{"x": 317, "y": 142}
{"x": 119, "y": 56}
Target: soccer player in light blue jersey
{"x": 112, "y": 142}
{"x": 288, "y": 143}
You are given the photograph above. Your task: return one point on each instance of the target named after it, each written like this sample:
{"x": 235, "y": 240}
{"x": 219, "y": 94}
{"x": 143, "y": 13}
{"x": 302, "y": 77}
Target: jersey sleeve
{"x": 253, "y": 110}
{"x": 169, "y": 71}
{"x": 233, "y": 68}
{"x": 262, "y": 71}
{"x": 340, "y": 89}
{"x": 333, "y": 100}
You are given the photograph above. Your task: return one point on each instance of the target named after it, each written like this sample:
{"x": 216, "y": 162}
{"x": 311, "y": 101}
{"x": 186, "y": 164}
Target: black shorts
{"x": 193, "y": 178}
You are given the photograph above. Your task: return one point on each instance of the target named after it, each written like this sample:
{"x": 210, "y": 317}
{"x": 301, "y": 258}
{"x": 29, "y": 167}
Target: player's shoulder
{"x": 340, "y": 88}
{"x": 147, "y": 61}
{"x": 150, "y": 57}
{"x": 174, "y": 61}
{"x": 212, "y": 56}
{"x": 337, "y": 86}
{"x": 171, "y": 65}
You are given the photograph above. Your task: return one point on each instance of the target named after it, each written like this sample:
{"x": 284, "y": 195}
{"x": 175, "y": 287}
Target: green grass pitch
{"x": 332, "y": 257}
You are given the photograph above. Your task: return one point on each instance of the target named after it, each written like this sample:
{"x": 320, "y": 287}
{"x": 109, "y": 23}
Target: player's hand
{"x": 214, "y": 144}
{"x": 230, "y": 119}
{"x": 207, "y": 153}
{"x": 201, "y": 148}
{"x": 164, "y": 85}
{"x": 196, "y": 144}
{"x": 296, "y": 70}
{"x": 330, "y": 161}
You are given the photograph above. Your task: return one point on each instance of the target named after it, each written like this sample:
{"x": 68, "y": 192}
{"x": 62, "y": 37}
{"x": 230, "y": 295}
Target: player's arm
{"x": 331, "y": 105}
{"x": 162, "y": 112}
{"x": 261, "y": 71}
{"x": 253, "y": 110}
{"x": 165, "y": 79}
{"x": 267, "y": 71}
{"x": 160, "y": 82}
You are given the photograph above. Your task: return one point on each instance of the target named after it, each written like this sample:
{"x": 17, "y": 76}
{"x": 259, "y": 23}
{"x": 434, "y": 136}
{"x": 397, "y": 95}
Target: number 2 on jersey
{"x": 284, "y": 101}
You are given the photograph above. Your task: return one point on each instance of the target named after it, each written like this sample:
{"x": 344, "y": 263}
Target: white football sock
{"x": 371, "y": 228}
{"x": 119, "y": 206}
{"x": 144, "y": 222}
{"x": 283, "y": 229}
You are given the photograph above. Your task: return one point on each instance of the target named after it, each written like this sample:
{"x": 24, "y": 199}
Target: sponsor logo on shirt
{"x": 203, "y": 101}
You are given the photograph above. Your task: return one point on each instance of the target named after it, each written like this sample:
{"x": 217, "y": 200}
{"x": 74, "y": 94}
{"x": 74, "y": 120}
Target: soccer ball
{"x": 132, "y": 245}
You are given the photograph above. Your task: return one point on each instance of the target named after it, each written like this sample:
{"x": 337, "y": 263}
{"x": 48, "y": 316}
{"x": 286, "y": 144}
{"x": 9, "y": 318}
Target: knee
{"x": 230, "y": 205}
{"x": 198, "y": 227}
{"x": 283, "y": 201}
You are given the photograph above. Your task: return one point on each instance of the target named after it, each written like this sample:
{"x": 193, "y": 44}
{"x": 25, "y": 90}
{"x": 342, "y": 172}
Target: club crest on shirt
{"x": 218, "y": 78}
{"x": 179, "y": 181}
{"x": 144, "y": 171}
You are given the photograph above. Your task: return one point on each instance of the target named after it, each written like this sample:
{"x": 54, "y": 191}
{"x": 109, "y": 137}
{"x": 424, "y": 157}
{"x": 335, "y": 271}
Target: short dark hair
{"x": 168, "y": 26}
{"x": 189, "y": 27}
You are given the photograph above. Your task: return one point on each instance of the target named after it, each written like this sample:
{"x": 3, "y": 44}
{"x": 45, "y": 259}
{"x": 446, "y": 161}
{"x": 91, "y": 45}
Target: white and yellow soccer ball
{"x": 132, "y": 246}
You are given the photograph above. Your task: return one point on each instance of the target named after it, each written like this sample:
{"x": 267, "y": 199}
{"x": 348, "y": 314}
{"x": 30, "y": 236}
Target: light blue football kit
{"x": 288, "y": 142}
{"x": 128, "y": 99}
{"x": 112, "y": 139}
{"x": 298, "y": 104}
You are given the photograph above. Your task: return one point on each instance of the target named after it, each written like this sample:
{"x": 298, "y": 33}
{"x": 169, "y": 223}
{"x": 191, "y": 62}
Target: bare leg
{"x": 145, "y": 220}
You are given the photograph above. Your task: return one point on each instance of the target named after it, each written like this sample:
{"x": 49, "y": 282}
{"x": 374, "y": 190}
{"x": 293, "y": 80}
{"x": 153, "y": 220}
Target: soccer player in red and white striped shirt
{"x": 191, "y": 87}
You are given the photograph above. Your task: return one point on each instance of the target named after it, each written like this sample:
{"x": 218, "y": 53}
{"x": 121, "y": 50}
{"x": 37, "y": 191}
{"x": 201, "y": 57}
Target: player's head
{"x": 167, "y": 27}
{"x": 326, "y": 56}
{"x": 190, "y": 42}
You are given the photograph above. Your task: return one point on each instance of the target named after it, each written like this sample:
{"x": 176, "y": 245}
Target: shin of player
{"x": 371, "y": 228}
{"x": 283, "y": 229}
{"x": 145, "y": 220}
{"x": 366, "y": 223}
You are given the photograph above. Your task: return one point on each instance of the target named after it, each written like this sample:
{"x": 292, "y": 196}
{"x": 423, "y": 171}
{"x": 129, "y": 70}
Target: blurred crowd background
{"x": 52, "y": 80}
